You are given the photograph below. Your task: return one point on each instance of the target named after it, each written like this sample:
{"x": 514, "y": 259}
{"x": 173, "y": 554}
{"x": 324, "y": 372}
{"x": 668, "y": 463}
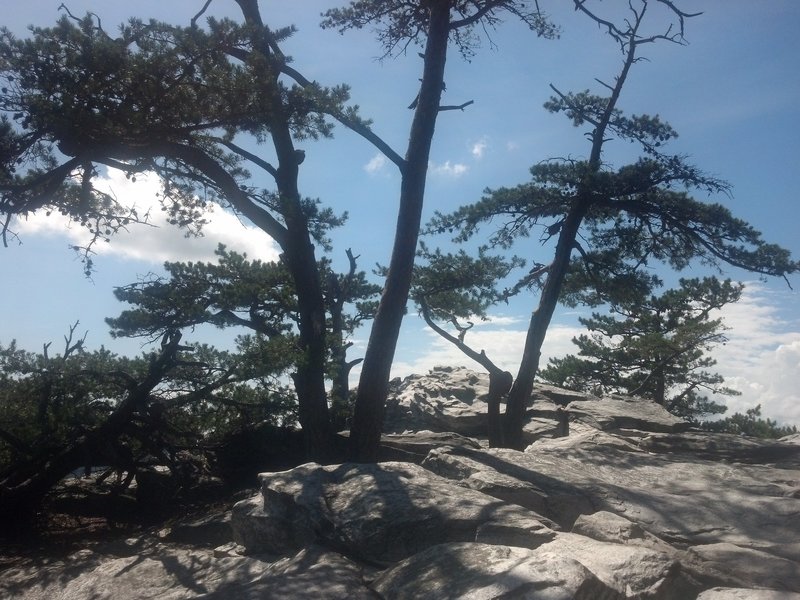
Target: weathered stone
{"x": 381, "y": 513}
{"x": 608, "y": 527}
{"x": 684, "y": 502}
{"x": 492, "y": 472}
{"x": 623, "y": 412}
{"x": 723, "y": 446}
{"x": 313, "y": 573}
{"x": 472, "y": 571}
{"x": 164, "y": 571}
{"x": 417, "y": 445}
{"x": 634, "y": 571}
{"x": 209, "y": 531}
{"x": 720, "y": 593}
{"x": 753, "y": 567}
{"x": 560, "y": 396}
{"x": 453, "y": 399}
{"x": 447, "y": 399}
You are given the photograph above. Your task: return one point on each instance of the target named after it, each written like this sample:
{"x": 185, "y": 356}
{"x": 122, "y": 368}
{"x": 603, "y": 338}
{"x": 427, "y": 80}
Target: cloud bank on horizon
{"x": 157, "y": 241}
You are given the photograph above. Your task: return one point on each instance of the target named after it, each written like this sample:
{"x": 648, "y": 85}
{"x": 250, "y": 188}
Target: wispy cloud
{"x": 478, "y": 149}
{"x": 448, "y": 169}
{"x": 376, "y": 164}
{"x": 157, "y": 241}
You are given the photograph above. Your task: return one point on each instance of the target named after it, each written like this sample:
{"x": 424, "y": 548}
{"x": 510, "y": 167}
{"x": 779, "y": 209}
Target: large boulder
{"x": 470, "y": 571}
{"x": 454, "y": 399}
{"x": 381, "y": 513}
{"x": 447, "y": 399}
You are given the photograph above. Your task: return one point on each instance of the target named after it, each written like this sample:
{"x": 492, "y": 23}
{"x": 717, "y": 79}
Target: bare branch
{"x": 250, "y": 156}
{"x": 355, "y": 126}
{"x": 193, "y": 22}
{"x": 456, "y": 107}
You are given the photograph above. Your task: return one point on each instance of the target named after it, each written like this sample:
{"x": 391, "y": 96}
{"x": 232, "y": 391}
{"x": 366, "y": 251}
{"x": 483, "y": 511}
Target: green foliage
{"x": 751, "y": 423}
{"x": 258, "y": 296}
{"x": 460, "y": 285}
{"x": 233, "y": 291}
{"x": 137, "y": 102}
{"x": 46, "y": 400}
{"x": 633, "y": 219}
{"x": 399, "y": 23}
{"x": 49, "y": 402}
{"x": 655, "y": 347}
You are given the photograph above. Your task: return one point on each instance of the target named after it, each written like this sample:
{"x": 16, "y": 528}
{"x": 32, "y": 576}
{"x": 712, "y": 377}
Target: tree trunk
{"x": 298, "y": 253}
{"x": 374, "y": 381}
{"x": 309, "y": 377}
{"x": 500, "y": 383}
{"x": 514, "y": 417}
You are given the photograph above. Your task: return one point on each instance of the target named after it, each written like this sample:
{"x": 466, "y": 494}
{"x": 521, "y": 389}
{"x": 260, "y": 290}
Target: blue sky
{"x": 732, "y": 93}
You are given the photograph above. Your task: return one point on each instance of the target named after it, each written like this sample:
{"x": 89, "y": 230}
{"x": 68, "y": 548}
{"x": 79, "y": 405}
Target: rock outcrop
{"x": 627, "y": 502}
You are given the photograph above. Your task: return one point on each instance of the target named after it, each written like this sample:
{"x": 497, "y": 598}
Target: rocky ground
{"x": 629, "y": 504}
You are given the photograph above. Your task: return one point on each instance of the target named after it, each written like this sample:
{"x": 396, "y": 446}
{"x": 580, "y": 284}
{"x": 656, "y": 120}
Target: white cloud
{"x": 157, "y": 241}
{"x": 762, "y": 356}
{"x": 448, "y": 169}
{"x": 376, "y": 164}
{"x": 511, "y": 146}
{"x": 479, "y": 148}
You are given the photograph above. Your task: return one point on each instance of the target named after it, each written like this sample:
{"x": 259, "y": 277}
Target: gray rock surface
{"x": 685, "y": 502}
{"x": 629, "y": 505}
{"x": 447, "y": 399}
{"x": 472, "y": 571}
{"x": 721, "y": 593}
{"x": 169, "y": 572}
{"x": 380, "y": 513}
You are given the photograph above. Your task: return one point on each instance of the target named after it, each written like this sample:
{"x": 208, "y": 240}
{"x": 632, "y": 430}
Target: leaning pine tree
{"x": 610, "y": 223}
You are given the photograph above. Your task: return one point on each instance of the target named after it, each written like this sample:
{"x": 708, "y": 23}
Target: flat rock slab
{"x": 624, "y": 412}
{"x": 684, "y": 502}
{"x": 720, "y": 593}
{"x": 750, "y": 565}
{"x": 470, "y": 571}
{"x": 167, "y": 572}
{"x": 160, "y": 572}
{"x": 380, "y": 513}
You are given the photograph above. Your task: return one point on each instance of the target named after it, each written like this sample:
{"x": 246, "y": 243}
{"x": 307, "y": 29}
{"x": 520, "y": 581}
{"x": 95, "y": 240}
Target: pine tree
{"x": 656, "y": 347}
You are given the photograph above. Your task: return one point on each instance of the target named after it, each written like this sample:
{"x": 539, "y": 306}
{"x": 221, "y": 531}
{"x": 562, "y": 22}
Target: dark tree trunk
{"x": 541, "y": 317}
{"x": 373, "y": 385}
{"x": 500, "y": 383}
{"x": 298, "y": 253}
{"x": 514, "y": 418}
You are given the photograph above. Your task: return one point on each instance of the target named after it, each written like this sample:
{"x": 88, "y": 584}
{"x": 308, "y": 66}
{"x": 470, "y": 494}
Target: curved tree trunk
{"x": 298, "y": 253}
{"x": 373, "y": 384}
{"x": 514, "y": 418}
